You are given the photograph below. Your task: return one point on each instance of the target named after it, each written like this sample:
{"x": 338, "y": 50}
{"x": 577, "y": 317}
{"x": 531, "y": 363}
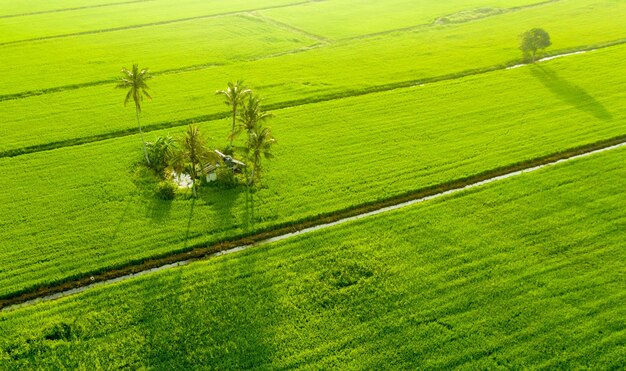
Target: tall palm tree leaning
{"x": 135, "y": 81}
{"x": 234, "y": 95}
{"x": 193, "y": 156}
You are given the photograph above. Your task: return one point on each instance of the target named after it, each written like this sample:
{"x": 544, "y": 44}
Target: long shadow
{"x": 118, "y": 226}
{"x": 223, "y": 201}
{"x": 249, "y": 214}
{"x": 159, "y": 210}
{"x": 217, "y": 316}
{"x": 193, "y": 205}
{"x": 571, "y": 94}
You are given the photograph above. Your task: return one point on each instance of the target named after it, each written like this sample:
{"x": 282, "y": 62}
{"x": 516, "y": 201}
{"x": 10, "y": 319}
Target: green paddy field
{"x": 373, "y": 101}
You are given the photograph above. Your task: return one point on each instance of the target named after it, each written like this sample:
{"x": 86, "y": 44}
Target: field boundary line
{"x": 198, "y": 67}
{"x": 269, "y": 20}
{"x": 256, "y": 15}
{"x": 151, "y": 24}
{"x": 349, "y": 93}
{"x": 288, "y": 230}
{"x": 434, "y": 23}
{"x": 73, "y": 9}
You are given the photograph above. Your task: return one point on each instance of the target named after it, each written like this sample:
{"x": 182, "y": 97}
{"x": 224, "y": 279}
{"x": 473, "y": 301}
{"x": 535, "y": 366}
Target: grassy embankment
{"x": 527, "y": 272}
{"x": 78, "y": 210}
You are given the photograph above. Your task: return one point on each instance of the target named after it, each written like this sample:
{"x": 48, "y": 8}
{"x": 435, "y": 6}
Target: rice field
{"x": 335, "y": 70}
{"x": 92, "y": 193}
{"x": 499, "y": 277}
{"x": 372, "y": 102}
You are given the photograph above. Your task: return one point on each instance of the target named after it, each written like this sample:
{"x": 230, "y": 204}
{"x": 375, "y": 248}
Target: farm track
{"x": 285, "y": 231}
{"x": 292, "y": 103}
{"x": 152, "y": 24}
{"x": 74, "y": 8}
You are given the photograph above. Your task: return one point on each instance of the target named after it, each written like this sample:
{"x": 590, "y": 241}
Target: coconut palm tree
{"x": 260, "y": 142}
{"x": 193, "y": 156}
{"x": 233, "y": 97}
{"x": 250, "y": 115}
{"x": 135, "y": 81}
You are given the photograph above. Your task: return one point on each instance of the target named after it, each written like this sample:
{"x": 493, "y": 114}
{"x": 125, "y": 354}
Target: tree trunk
{"x": 232, "y": 132}
{"x": 145, "y": 151}
{"x": 193, "y": 175}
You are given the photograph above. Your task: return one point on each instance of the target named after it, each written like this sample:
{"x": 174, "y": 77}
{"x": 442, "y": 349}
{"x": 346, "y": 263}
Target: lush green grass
{"x": 75, "y": 210}
{"x": 99, "y": 57}
{"x": 104, "y": 18}
{"x": 9, "y": 8}
{"x": 307, "y": 75}
{"x": 525, "y": 273}
{"x": 337, "y": 19}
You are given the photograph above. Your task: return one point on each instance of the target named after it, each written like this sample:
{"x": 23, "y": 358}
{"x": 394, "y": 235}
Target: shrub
{"x": 226, "y": 177}
{"x": 160, "y": 152}
{"x": 166, "y": 190}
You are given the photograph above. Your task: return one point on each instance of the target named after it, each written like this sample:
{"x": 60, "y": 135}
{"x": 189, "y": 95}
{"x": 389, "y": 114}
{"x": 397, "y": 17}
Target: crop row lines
{"x": 251, "y": 13}
{"x": 286, "y": 104}
{"x": 152, "y": 24}
{"x": 434, "y": 22}
{"x": 289, "y": 229}
{"x": 285, "y": 26}
{"x": 75, "y": 8}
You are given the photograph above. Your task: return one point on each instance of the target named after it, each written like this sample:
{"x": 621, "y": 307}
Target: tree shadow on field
{"x": 223, "y": 202}
{"x": 569, "y": 93}
{"x": 159, "y": 210}
{"x": 189, "y": 219}
{"x": 118, "y": 225}
{"x": 249, "y": 214}
{"x": 217, "y": 316}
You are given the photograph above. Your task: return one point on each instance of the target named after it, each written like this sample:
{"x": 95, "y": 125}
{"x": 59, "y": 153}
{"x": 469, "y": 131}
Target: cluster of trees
{"x": 191, "y": 154}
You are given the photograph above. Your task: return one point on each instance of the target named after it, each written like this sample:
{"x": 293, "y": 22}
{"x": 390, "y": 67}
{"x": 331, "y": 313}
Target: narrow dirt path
{"x": 454, "y": 187}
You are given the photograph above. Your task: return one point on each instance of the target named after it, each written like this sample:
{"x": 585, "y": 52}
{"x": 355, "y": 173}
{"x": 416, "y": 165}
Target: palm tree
{"x": 234, "y": 95}
{"x": 135, "y": 81}
{"x": 160, "y": 152}
{"x": 251, "y": 115}
{"x": 193, "y": 156}
{"x": 260, "y": 142}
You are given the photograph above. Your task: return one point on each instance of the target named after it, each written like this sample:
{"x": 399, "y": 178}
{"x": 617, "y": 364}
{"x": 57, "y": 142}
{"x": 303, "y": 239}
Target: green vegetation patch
{"x": 322, "y": 73}
{"x": 77, "y": 210}
{"x": 525, "y": 273}
{"x": 92, "y": 18}
{"x": 341, "y": 19}
{"x": 100, "y": 56}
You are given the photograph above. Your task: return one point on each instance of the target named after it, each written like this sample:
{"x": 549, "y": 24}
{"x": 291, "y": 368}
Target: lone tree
{"x": 135, "y": 81}
{"x": 193, "y": 156}
{"x": 534, "y": 40}
{"x": 234, "y": 95}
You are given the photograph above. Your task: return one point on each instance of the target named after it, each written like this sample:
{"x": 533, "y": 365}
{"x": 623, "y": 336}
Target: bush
{"x": 225, "y": 177}
{"x": 160, "y": 152}
{"x": 166, "y": 191}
